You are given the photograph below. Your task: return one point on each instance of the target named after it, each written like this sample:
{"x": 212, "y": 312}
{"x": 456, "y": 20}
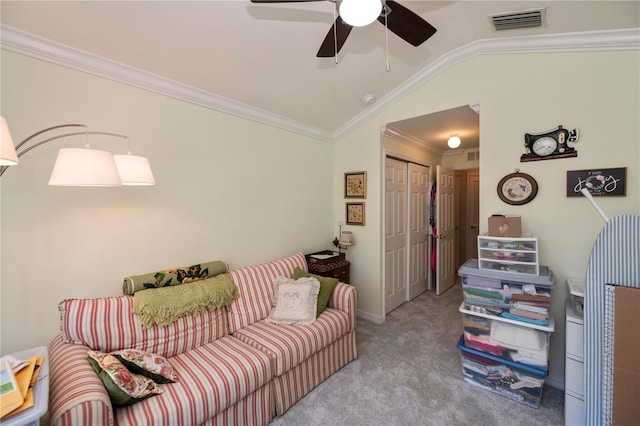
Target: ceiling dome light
{"x": 359, "y": 13}
{"x": 453, "y": 142}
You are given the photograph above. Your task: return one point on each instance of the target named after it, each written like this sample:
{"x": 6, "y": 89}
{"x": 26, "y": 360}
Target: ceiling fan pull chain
{"x": 386, "y": 34}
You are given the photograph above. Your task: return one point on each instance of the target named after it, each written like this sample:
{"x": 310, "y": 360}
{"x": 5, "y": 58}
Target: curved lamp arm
{"x": 53, "y": 138}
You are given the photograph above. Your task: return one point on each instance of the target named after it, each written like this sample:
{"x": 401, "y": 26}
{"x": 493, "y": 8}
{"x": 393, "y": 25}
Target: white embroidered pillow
{"x": 296, "y": 301}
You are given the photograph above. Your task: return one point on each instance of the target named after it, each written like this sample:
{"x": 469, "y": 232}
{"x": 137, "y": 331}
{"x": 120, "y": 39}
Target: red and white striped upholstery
{"x": 300, "y": 380}
{"x": 227, "y": 380}
{"x": 107, "y": 325}
{"x": 255, "y": 284}
{"x": 212, "y": 378}
{"x": 77, "y": 395}
{"x": 304, "y": 356}
{"x": 289, "y": 345}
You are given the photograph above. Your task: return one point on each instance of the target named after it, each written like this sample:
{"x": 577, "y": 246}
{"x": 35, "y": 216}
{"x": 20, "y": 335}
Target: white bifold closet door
{"x": 406, "y": 253}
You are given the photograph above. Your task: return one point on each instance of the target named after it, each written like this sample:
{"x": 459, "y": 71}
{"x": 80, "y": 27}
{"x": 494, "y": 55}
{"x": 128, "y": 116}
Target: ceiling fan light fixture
{"x": 359, "y": 13}
{"x": 454, "y": 141}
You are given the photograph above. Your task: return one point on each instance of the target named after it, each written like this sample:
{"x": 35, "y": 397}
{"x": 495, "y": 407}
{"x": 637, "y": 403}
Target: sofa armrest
{"x": 77, "y": 395}
{"x": 345, "y": 298}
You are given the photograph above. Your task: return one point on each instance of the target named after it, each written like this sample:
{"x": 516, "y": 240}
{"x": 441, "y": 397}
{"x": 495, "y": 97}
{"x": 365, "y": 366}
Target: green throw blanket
{"x": 164, "y": 305}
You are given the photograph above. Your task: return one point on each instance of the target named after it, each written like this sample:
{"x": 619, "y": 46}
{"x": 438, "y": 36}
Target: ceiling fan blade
{"x": 282, "y": 1}
{"x": 328, "y": 47}
{"x": 406, "y": 24}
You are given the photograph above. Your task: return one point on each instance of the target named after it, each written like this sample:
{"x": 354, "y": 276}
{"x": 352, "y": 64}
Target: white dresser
{"x": 574, "y": 369}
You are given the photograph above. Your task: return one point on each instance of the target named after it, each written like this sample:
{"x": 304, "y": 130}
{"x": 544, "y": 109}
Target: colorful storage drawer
{"x": 511, "y": 340}
{"x": 513, "y": 380}
{"x": 494, "y": 292}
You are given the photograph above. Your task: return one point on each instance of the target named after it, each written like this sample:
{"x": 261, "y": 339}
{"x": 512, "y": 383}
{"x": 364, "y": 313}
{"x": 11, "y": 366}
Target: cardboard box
{"x": 626, "y": 370}
{"x": 504, "y": 226}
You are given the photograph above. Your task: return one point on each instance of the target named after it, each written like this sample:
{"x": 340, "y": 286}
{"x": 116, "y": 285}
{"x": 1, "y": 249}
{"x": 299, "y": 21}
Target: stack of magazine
{"x": 17, "y": 378}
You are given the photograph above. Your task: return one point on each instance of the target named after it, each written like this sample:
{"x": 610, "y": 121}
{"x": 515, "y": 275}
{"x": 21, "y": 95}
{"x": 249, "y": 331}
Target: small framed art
{"x": 355, "y": 213}
{"x": 355, "y": 185}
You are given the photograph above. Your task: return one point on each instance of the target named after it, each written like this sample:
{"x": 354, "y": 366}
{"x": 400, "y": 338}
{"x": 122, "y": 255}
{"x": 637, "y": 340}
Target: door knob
{"x": 474, "y": 226}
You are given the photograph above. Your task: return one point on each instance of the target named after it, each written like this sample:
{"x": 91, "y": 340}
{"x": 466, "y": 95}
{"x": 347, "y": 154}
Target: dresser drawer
{"x": 575, "y": 340}
{"x": 573, "y": 411}
{"x": 340, "y": 274}
{"x": 574, "y": 377}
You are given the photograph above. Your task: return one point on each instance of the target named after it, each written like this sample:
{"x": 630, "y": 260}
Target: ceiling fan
{"x": 404, "y": 23}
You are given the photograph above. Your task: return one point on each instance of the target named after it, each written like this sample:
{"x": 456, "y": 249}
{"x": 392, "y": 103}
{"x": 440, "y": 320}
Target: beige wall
{"x": 227, "y": 189}
{"x": 231, "y": 189}
{"x": 598, "y": 93}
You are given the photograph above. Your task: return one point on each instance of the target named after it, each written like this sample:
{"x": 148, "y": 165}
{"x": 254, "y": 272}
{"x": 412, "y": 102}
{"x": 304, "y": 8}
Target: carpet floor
{"x": 408, "y": 372}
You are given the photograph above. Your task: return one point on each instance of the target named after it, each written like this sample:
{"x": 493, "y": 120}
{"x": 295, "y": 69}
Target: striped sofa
{"x": 234, "y": 367}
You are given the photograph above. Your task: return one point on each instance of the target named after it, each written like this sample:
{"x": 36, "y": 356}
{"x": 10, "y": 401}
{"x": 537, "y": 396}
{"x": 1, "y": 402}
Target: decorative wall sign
{"x": 599, "y": 182}
{"x": 548, "y": 145}
{"x": 355, "y": 213}
{"x": 517, "y": 188}
{"x": 355, "y": 185}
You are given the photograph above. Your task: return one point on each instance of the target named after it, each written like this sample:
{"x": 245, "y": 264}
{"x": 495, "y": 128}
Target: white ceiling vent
{"x": 530, "y": 18}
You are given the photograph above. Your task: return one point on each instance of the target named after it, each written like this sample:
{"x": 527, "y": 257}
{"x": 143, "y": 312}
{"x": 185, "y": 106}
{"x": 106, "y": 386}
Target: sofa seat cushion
{"x": 212, "y": 377}
{"x": 289, "y": 345}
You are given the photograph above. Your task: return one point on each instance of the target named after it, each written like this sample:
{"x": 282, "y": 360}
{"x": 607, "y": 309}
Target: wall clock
{"x": 517, "y": 188}
{"x": 548, "y": 145}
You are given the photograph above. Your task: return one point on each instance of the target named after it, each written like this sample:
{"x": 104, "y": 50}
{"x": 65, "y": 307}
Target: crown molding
{"x": 626, "y": 39}
{"x": 40, "y": 48}
{"x": 411, "y": 140}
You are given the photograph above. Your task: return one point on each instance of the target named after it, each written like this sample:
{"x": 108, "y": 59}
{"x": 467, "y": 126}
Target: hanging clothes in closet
{"x": 432, "y": 223}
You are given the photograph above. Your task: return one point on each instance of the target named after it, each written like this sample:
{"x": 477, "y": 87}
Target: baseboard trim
{"x": 555, "y": 382}
{"x": 369, "y": 318}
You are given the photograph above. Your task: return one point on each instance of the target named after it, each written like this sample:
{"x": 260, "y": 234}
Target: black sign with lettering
{"x": 599, "y": 182}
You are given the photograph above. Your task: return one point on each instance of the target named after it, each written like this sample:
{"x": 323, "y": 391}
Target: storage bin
{"x": 495, "y": 292}
{"x": 513, "y": 380}
{"x": 511, "y": 255}
{"x": 511, "y": 340}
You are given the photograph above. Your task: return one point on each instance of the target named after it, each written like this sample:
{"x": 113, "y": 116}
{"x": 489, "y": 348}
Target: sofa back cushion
{"x": 107, "y": 324}
{"x": 255, "y": 284}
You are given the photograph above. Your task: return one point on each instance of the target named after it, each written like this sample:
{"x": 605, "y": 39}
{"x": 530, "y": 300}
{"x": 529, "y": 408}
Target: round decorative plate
{"x": 517, "y": 188}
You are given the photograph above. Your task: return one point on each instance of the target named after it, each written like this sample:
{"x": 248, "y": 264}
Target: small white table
{"x": 31, "y": 416}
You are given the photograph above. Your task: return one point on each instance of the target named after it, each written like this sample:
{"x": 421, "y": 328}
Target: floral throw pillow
{"x": 296, "y": 301}
{"x": 149, "y": 365}
{"x": 124, "y": 387}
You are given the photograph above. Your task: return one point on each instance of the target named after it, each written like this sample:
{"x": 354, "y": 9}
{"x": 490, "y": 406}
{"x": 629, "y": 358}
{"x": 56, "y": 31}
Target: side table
{"x": 338, "y": 269}
{"x": 31, "y": 416}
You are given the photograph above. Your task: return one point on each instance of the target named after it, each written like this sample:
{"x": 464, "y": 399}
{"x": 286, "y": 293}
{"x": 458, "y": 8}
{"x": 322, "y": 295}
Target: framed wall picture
{"x": 599, "y": 182}
{"x": 355, "y": 185}
{"x": 355, "y": 213}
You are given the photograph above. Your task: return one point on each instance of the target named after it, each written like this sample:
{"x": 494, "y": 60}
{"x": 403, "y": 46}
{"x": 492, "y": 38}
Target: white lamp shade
{"x": 134, "y": 170}
{"x": 8, "y": 156}
{"x": 84, "y": 167}
{"x": 359, "y": 13}
{"x": 454, "y": 142}
{"x": 346, "y": 238}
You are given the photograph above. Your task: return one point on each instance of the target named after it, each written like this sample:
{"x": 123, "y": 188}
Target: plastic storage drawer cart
{"x": 517, "y": 255}
{"x": 521, "y": 297}
{"x": 509, "y": 339}
{"x": 519, "y": 382}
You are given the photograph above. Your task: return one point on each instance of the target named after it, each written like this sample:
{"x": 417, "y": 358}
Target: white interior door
{"x": 472, "y": 209}
{"x": 418, "y": 230}
{"x": 395, "y": 228}
{"x": 445, "y": 230}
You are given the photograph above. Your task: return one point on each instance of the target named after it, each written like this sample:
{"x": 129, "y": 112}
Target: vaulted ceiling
{"x": 259, "y": 61}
